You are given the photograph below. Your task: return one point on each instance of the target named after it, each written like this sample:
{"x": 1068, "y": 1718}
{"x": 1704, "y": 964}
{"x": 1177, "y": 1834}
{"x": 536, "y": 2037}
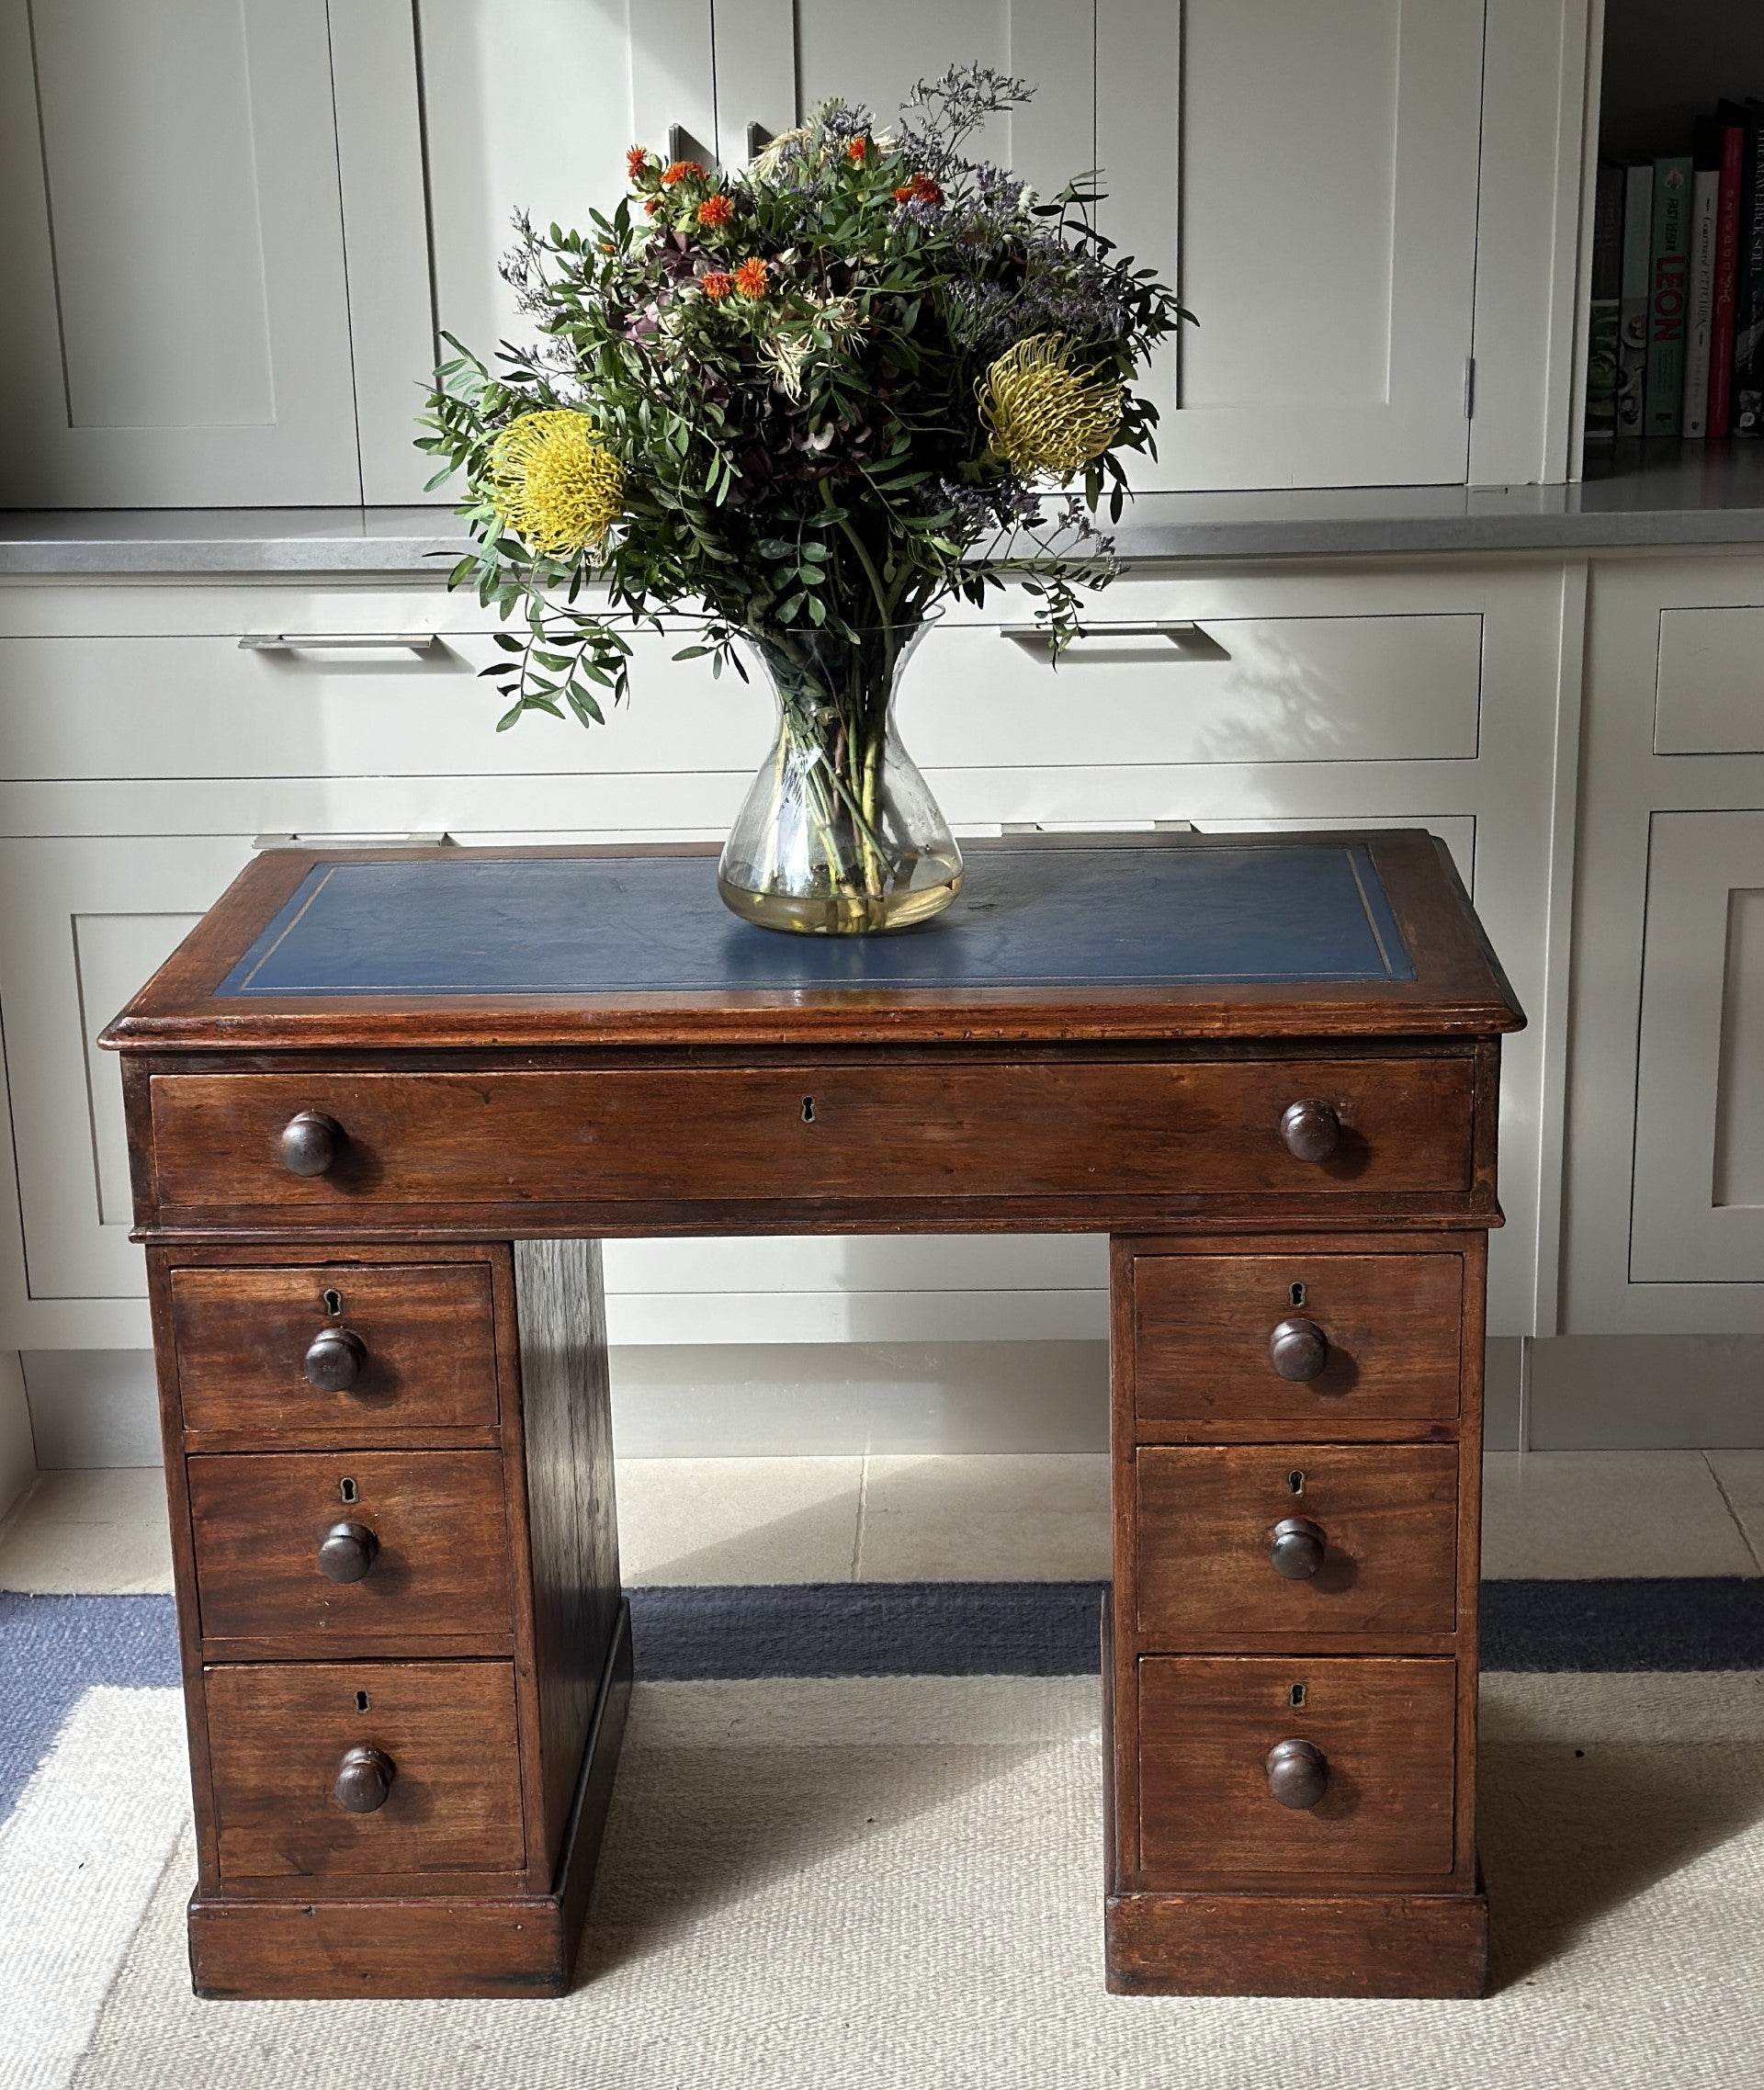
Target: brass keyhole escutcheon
{"x": 1294, "y": 1297}
{"x": 346, "y": 1489}
{"x": 808, "y": 1110}
{"x": 333, "y": 1302}
{"x": 1295, "y": 1697}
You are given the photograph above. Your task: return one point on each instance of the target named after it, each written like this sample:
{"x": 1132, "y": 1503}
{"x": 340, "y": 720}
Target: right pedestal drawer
{"x": 1309, "y": 1337}
{"x": 1296, "y": 1537}
{"x": 1302, "y": 1769}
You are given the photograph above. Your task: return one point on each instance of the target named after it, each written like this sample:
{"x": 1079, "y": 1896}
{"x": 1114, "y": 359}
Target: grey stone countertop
{"x": 1649, "y": 494}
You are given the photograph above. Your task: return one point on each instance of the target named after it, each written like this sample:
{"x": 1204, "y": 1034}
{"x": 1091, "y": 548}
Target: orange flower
{"x": 683, "y": 170}
{"x": 652, "y": 206}
{"x": 920, "y": 189}
{"x": 750, "y": 277}
{"x": 855, "y": 149}
{"x": 636, "y": 160}
{"x": 715, "y": 210}
{"x": 715, "y": 284}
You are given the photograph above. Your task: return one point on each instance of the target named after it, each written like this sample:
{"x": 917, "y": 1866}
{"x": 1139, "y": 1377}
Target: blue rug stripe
{"x": 1689, "y": 1622}
{"x": 1049, "y": 1629}
{"x": 53, "y": 1648}
{"x": 868, "y": 1629}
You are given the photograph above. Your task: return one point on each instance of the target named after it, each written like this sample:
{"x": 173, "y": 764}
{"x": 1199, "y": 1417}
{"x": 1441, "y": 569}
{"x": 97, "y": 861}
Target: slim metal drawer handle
{"x": 364, "y": 1778}
{"x": 1299, "y": 1773}
{"x": 1191, "y": 641}
{"x": 339, "y": 641}
{"x": 683, "y": 145}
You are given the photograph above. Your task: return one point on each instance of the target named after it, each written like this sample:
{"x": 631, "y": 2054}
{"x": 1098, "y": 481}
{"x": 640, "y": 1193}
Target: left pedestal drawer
{"x": 320, "y": 1548}
{"x": 363, "y": 1772}
{"x": 336, "y": 1352}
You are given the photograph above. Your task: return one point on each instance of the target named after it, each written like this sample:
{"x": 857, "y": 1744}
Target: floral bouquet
{"x": 803, "y": 404}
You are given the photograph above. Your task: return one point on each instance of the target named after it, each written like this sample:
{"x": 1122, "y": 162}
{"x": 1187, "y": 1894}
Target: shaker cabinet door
{"x": 1665, "y": 1090}
{"x": 1698, "y": 1217}
{"x": 175, "y": 329}
{"x": 1305, "y": 172}
{"x": 85, "y": 922}
{"x": 530, "y": 105}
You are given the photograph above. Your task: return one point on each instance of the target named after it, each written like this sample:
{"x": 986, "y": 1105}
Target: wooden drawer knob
{"x": 1299, "y": 1773}
{"x": 310, "y": 1143}
{"x": 1298, "y": 1350}
{"x": 1311, "y": 1131}
{"x": 364, "y": 1778}
{"x": 348, "y": 1553}
{"x": 333, "y": 1359}
{"x": 1295, "y": 1548}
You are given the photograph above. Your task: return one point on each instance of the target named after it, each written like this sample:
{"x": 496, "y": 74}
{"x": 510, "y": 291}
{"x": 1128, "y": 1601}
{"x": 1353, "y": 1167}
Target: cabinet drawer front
{"x": 1231, "y": 689}
{"x": 1386, "y": 1731}
{"x": 1705, "y": 691}
{"x": 1205, "y": 1328}
{"x": 185, "y": 706}
{"x": 831, "y": 1131}
{"x": 277, "y": 1736}
{"x": 1206, "y": 1523}
{"x": 427, "y": 1357}
{"x": 436, "y": 1552}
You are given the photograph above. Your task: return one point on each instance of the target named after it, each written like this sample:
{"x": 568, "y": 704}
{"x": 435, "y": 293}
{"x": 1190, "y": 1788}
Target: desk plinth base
{"x": 1371, "y": 1945}
{"x": 453, "y": 1946}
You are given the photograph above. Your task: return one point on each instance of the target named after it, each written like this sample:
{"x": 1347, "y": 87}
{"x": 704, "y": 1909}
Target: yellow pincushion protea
{"x": 1042, "y": 414}
{"x": 554, "y": 482}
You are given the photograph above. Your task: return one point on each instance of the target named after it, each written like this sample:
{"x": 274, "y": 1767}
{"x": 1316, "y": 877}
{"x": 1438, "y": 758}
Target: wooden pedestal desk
{"x": 382, "y": 1105}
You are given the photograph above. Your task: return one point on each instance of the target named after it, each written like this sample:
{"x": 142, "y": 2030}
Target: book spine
{"x": 1720, "y": 329}
{"x": 1604, "y": 313}
{"x": 1748, "y": 303}
{"x": 1705, "y": 204}
{"x": 1638, "y": 253}
{"x": 1667, "y": 298}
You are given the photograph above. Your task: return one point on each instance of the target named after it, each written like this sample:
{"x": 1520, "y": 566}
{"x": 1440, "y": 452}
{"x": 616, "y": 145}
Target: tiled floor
{"x": 1027, "y": 1518}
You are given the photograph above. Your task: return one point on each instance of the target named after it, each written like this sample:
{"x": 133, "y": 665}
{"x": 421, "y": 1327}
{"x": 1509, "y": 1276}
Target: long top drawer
{"x": 827, "y": 1132}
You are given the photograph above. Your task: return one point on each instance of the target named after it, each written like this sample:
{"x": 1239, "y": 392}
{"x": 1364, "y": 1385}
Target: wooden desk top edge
{"x": 1459, "y": 990}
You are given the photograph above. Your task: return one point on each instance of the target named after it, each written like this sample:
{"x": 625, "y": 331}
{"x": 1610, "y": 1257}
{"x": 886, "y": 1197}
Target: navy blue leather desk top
{"x": 1082, "y": 918}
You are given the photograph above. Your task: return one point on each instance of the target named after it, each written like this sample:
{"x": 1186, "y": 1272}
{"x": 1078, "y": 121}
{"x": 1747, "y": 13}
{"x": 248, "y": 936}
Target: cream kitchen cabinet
{"x": 233, "y": 232}
{"x": 176, "y": 327}
{"x": 143, "y": 752}
{"x": 1665, "y": 1210}
{"x": 1306, "y": 173}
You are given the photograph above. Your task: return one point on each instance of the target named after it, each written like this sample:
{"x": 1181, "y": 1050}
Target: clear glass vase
{"x": 839, "y": 835}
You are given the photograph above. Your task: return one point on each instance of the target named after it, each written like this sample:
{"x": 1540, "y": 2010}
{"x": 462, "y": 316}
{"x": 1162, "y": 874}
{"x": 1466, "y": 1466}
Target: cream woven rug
{"x": 893, "y": 1884}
